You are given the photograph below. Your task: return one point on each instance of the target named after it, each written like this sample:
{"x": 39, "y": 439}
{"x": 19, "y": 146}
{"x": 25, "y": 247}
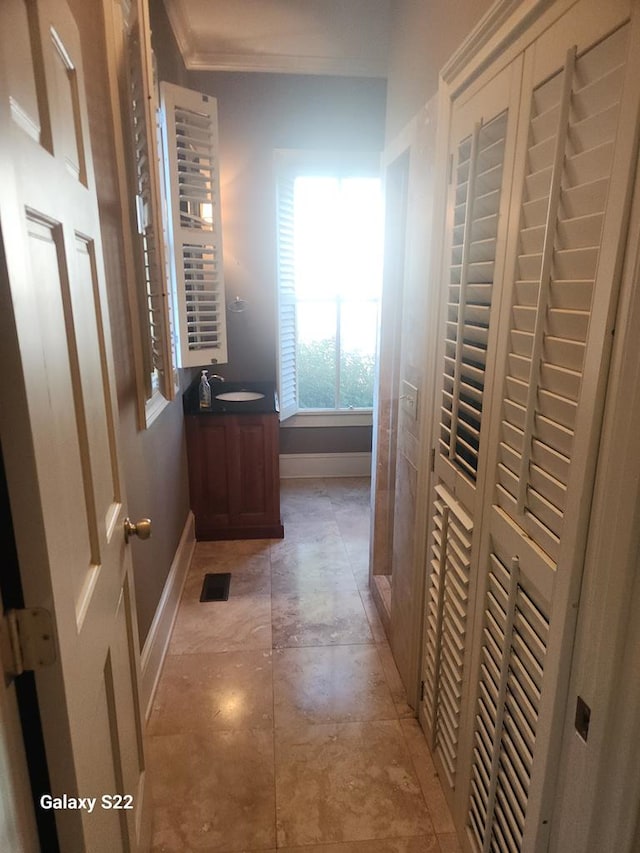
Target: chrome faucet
{"x": 217, "y": 377}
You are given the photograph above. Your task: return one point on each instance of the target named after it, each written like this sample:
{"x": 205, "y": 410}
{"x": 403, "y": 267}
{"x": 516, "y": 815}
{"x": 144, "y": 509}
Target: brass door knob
{"x": 142, "y": 529}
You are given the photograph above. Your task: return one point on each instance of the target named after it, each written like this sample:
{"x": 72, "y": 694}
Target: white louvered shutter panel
{"x": 514, "y": 643}
{"x": 155, "y": 306}
{"x": 563, "y": 289}
{"x": 478, "y": 183}
{"x": 287, "y": 381}
{"x": 446, "y": 627}
{"x": 482, "y": 153}
{"x": 190, "y": 132}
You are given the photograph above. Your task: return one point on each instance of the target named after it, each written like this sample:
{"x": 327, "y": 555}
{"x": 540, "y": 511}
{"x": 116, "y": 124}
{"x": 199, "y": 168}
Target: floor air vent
{"x": 216, "y": 587}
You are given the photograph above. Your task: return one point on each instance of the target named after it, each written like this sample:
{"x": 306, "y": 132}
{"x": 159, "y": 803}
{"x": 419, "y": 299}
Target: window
{"x": 330, "y": 222}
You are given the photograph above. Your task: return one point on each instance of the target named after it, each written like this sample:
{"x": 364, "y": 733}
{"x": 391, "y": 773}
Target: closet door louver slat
{"x": 193, "y": 182}
{"x": 478, "y": 180}
{"x": 569, "y": 162}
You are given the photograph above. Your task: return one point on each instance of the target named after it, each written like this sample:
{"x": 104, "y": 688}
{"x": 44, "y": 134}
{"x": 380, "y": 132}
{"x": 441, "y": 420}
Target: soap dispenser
{"x": 205, "y": 391}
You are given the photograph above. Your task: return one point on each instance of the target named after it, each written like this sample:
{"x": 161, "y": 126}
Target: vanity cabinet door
{"x": 234, "y": 476}
{"x": 253, "y": 471}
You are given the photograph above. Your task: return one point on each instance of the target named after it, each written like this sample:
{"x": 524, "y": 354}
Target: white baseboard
{"x": 155, "y": 646}
{"x": 325, "y": 465}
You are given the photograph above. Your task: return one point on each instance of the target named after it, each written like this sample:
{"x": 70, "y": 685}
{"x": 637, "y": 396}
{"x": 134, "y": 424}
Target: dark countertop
{"x": 265, "y": 405}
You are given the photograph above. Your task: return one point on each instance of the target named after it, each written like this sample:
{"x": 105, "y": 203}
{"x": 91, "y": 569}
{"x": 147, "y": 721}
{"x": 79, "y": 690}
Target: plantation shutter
{"x": 446, "y": 627}
{"x": 482, "y": 147}
{"x": 514, "y": 643}
{"x": 287, "y": 382}
{"x": 190, "y": 131}
{"x": 555, "y": 356}
{"x": 154, "y": 298}
{"x": 478, "y": 182}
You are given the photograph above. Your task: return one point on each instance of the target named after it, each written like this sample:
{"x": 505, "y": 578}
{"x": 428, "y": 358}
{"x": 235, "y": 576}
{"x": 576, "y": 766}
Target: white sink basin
{"x": 239, "y": 396}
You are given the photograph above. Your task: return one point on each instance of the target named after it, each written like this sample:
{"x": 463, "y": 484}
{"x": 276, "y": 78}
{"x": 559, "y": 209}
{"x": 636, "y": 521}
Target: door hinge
{"x": 451, "y": 168}
{"x": 422, "y": 691}
{"x": 26, "y": 641}
{"x": 433, "y": 459}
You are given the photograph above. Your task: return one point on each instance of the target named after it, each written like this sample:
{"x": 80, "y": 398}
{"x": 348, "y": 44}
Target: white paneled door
{"x": 58, "y": 426}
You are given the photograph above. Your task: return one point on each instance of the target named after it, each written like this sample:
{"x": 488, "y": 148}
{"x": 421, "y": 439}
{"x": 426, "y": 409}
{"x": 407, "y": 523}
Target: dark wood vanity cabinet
{"x": 234, "y": 476}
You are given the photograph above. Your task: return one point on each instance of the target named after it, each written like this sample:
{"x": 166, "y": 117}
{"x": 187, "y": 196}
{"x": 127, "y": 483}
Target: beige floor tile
{"x": 394, "y": 681}
{"x": 213, "y": 692}
{"x": 300, "y": 500}
{"x": 372, "y": 615}
{"x": 307, "y": 531}
{"x": 329, "y": 684}
{"x": 360, "y": 569}
{"x": 250, "y": 575}
{"x": 353, "y": 521}
{"x": 428, "y": 776}
{"x": 330, "y": 617}
{"x": 346, "y": 782}
{"x": 311, "y": 566}
{"x": 449, "y": 843}
{"x": 222, "y": 626}
{"x": 213, "y": 793}
{"x": 229, "y": 549}
{"x": 349, "y": 493}
{"x": 356, "y": 544}
{"x": 422, "y": 844}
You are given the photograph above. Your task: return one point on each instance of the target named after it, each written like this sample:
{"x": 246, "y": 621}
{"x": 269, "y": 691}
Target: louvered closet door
{"x": 482, "y": 144}
{"x": 193, "y": 183}
{"x": 576, "y": 168}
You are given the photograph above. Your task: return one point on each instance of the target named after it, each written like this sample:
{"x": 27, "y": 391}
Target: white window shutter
{"x": 155, "y": 305}
{"x": 535, "y": 533}
{"x": 287, "y": 347}
{"x": 190, "y": 134}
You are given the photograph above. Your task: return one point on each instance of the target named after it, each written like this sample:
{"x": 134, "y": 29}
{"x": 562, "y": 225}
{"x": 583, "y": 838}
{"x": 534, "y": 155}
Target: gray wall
{"x": 423, "y": 37}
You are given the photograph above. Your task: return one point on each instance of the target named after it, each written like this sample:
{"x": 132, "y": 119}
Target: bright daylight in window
{"x": 338, "y": 248}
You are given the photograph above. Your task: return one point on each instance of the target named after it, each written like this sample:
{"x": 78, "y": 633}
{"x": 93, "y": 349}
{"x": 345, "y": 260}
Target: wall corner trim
{"x": 157, "y": 641}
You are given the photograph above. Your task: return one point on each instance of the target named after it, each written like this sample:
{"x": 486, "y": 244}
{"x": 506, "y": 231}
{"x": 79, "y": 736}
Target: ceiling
{"x": 338, "y": 37}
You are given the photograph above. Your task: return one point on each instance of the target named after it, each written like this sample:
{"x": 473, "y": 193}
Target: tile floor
{"x": 280, "y": 720}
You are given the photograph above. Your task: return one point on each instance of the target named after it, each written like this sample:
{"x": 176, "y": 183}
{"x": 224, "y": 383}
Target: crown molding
{"x": 500, "y": 26}
{"x": 276, "y": 63}
{"x": 285, "y": 64}
{"x": 181, "y": 27}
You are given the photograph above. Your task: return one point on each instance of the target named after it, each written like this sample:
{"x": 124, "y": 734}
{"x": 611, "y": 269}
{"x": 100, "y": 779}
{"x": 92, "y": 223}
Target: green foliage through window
{"x": 316, "y": 365}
